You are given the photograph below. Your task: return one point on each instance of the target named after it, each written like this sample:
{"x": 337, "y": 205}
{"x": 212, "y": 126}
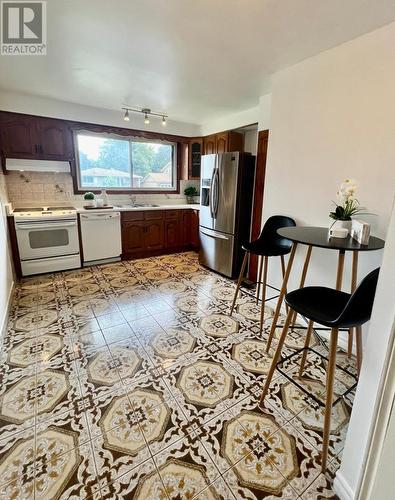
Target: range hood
{"x": 37, "y": 165}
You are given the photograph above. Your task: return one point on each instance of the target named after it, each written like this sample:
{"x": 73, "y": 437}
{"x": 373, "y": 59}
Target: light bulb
{"x": 146, "y": 119}
{"x": 126, "y": 116}
{"x": 164, "y": 121}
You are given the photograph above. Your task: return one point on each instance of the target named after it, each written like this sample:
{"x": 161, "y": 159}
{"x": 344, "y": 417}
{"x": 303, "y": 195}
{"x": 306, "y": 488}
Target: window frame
{"x": 79, "y": 189}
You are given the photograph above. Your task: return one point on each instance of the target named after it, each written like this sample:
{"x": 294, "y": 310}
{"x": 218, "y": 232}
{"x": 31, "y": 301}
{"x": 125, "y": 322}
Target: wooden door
{"x": 222, "y": 142}
{"x": 54, "y": 139}
{"x": 210, "y": 145}
{"x": 154, "y": 235}
{"x": 132, "y": 237}
{"x": 18, "y": 136}
{"x": 260, "y": 170}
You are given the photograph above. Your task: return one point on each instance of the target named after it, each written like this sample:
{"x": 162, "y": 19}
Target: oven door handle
{"x": 27, "y": 227}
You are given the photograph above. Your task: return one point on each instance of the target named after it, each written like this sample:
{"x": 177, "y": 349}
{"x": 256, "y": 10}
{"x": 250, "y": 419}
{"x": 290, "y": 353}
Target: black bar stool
{"x": 333, "y": 309}
{"x": 269, "y": 244}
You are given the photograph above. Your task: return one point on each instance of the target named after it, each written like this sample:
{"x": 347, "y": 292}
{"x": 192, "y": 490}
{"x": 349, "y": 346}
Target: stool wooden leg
{"x": 243, "y": 266}
{"x": 358, "y": 339}
{"x": 306, "y": 344}
{"x": 276, "y": 357}
{"x": 330, "y": 375}
{"x": 283, "y": 273}
{"x": 340, "y": 268}
{"x": 263, "y": 292}
{"x": 354, "y": 278}
{"x": 303, "y": 278}
{"x": 281, "y": 296}
{"x": 350, "y": 342}
{"x": 258, "y": 288}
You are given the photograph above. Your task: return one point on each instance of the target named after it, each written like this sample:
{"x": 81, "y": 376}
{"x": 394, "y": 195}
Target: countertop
{"x": 129, "y": 208}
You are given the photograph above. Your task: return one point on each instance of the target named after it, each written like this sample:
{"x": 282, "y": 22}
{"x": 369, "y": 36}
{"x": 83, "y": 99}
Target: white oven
{"x": 47, "y": 245}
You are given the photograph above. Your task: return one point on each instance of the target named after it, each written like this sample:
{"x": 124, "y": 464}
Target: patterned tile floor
{"x": 130, "y": 380}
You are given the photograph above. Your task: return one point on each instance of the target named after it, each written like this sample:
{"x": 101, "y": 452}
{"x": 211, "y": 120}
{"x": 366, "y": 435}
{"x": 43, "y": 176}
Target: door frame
{"x": 259, "y": 188}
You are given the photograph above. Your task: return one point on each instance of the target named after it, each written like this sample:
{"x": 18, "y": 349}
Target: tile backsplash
{"x": 43, "y": 188}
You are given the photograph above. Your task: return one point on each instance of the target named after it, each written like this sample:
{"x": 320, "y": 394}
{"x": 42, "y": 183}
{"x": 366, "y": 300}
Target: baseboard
{"x": 4, "y": 323}
{"x": 342, "y": 488}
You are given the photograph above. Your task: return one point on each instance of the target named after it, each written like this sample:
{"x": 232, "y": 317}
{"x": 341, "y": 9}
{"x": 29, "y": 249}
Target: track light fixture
{"x": 146, "y": 112}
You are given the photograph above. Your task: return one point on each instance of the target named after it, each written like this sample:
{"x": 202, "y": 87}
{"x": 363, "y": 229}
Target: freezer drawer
{"x": 216, "y": 251}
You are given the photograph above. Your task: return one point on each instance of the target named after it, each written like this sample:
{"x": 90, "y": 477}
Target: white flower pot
{"x": 345, "y": 224}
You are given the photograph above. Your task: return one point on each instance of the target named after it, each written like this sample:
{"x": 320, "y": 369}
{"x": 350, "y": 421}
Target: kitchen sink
{"x": 138, "y": 205}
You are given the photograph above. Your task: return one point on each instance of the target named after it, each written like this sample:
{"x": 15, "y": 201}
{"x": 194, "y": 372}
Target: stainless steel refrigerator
{"x": 226, "y": 193}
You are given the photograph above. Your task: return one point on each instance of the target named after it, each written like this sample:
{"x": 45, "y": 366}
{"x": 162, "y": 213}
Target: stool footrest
{"x": 287, "y": 358}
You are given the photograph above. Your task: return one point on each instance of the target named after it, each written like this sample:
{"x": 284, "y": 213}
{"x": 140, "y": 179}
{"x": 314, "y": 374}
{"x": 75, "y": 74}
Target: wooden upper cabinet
{"x": 196, "y": 149}
{"x": 222, "y": 142}
{"x": 235, "y": 142}
{"x": 210, "y": 144}
{"x": 34, "y": 137}
{"x": 54, "y": 139}
{"x": 18, "y": 136}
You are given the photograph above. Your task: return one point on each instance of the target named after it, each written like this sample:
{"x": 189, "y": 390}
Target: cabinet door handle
{"x": 36, "y": 148}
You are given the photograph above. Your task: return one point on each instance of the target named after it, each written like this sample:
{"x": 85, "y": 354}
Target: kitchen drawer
{"x": 153, "y": 215}
{"x": 173, "y": 214}
{"x": 132, "y": 215}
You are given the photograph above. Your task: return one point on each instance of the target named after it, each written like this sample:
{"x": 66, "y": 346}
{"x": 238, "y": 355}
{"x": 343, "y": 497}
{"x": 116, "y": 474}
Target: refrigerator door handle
{"x": 211, "y": 194}
{"x": 216, "y": 191}
{"x": 213, "y": 234}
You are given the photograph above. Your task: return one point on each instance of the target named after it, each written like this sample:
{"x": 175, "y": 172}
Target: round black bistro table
{"x": 318, "y": 237}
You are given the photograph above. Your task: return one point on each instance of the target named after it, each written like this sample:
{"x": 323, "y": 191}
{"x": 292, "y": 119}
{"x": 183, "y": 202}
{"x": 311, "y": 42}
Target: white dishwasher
{"x": 101, "y": 237}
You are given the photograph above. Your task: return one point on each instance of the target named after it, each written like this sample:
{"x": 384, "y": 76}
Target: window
{"x": 117, "y": 163}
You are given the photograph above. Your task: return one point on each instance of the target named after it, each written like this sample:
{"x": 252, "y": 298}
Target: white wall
{"x": 231, "y": 121}
{"x": 6, "y": 273}
{"x": 264, "y": 113}
{"x": 259, "y": 114}
{"x": 29, "y": 104}
{"x": 251, "y": 141}
{"x": 332, "y": 117}
{"x": 371, "y": 391}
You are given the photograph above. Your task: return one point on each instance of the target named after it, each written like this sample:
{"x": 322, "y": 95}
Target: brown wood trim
{"x": 80, "y": 240}
{"x": 14, "y": 246}
{"x": 260, "y": 171}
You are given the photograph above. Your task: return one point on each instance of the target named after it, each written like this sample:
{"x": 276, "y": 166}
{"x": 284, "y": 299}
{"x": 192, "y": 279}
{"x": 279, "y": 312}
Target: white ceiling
{"x": 195, "y": 60}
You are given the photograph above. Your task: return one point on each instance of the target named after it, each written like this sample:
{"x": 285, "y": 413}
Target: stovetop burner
{"x": 34, "y": 209}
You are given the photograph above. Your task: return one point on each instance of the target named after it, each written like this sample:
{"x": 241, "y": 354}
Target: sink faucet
{"x": 133, "y": 199}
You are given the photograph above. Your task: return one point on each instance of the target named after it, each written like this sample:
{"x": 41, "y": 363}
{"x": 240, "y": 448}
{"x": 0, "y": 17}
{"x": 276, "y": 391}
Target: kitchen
{"x": 196, "y": 249}
{"x": 55, "y": 238}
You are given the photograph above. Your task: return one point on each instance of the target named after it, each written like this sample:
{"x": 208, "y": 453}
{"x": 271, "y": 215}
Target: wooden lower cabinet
{"x": 194, "y": 229}
{"x": 153, "y": 235}
{"x": 133, "y": 237}
{"x": 155, "y": 232}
